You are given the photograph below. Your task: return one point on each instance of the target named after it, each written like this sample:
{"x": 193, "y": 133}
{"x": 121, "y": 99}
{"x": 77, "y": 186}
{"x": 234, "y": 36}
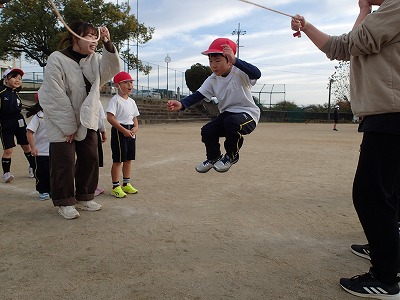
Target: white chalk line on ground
{"x": 18, "y": 189}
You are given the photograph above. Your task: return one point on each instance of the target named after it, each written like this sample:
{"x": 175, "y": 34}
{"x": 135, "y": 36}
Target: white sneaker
{"x": 68, "y": 212}
{"x": 31, "y": 174}
{"x": 7, "y": 177}
{"x": 44, "y": 196}
{"x": 206, "y": 165}
{"x": 225, "y": 163}
{"x": 88, "y": 205}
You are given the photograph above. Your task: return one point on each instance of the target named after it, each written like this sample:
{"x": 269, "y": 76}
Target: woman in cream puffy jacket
{"x": 70, "y": 98}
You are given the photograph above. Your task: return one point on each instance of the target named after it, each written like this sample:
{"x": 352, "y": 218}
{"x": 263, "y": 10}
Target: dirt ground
{"x": 278, "y": 225}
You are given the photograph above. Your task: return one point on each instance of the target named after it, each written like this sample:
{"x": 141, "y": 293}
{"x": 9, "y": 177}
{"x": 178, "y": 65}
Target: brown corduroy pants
{"x": 74, "y": 170}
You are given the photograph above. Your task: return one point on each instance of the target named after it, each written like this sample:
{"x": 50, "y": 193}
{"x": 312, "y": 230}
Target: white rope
{"x": 68, "y": 28}
{"x": 267, "y": 8}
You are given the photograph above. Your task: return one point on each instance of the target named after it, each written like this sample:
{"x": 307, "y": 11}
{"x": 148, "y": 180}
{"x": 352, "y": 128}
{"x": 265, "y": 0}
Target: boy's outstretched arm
{"x": 173, "y": 105}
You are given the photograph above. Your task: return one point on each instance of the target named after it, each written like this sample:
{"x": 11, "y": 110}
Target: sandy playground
{"x": 278, "y": 225}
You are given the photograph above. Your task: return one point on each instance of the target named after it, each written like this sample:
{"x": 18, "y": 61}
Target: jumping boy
{"x": 231, "y": 84}
{"x": 122, "y": 114}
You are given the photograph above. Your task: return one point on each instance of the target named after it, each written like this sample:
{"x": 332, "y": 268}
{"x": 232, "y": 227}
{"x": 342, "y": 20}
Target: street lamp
{"x": 329, "y": 97}
{"x": 167, "y": 60}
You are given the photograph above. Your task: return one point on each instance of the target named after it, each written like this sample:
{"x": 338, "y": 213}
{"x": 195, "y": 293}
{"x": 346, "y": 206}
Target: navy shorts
{"x": 10, "y": 128}
{"x": 122, "y": 148}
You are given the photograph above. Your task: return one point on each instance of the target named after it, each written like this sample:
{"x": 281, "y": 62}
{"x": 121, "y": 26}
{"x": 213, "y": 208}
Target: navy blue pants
{"x": 42, "y": 173}
{"x": 376, "y": 197}
{"x": 232, "y": 126}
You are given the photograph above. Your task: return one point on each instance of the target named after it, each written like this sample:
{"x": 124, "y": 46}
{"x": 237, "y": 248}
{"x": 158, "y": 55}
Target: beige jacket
{"x": 67, "y": 106}
{"x": 373, "y": 49}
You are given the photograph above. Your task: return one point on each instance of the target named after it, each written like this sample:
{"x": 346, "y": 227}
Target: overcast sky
{"x": 185, "y": 28}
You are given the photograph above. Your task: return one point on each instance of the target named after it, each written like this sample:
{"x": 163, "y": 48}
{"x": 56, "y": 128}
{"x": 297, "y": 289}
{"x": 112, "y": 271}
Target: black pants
{"x": 376, "y": 193}
{"x": 73, "y": 178}
{"x": 42, "y": 173}
{"x": 100, "y": 149}
{"x": 232, "y": 126}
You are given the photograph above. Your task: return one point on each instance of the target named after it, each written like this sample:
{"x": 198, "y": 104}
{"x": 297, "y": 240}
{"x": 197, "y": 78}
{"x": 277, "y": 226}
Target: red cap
{"x": 122, "y": 76}
{"x": 8, "y": 71}
{"x": 216, "y": 46}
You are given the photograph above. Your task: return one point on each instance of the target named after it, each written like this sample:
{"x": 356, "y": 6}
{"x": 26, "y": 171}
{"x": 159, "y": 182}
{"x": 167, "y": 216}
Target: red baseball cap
{"x": 8, "y": 71}
{"x": 122, "y": 76}
{"x": 216, "y": 46}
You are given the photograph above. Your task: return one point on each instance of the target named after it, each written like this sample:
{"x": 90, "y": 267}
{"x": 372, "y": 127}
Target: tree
{"x": 341, "y": 81}
{"x": 316, "y": 108}
{"x": 30, "y": 27}
{"x": 344, "y": 106}
{"x": 196, "y": 75}
{"x": 286, "y": 106}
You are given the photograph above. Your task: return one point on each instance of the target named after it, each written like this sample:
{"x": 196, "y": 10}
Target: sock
{"x": 29, "y": 157}
{"x": 115, "y": 184}
{"x": 125, "y": 181}
{"x": 6, "y": 163}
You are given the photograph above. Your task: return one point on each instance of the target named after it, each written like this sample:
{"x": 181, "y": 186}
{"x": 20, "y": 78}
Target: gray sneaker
{"x": 225, "y": 163}
{"x": 68, "y": 212}
{"x": 206, "y": 165}
{"x": 7, "y": 177}
{"x": 31, "y": 174}
{"x": 88, "y": 205}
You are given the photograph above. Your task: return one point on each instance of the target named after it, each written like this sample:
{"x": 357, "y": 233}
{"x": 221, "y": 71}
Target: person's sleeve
{"x": 112, "y": 107}
{"x": 379, "y": 29}
{"x": 109, "y": 65}
{"x": 252, "y": 71}
{"x": 33, "y": 124}
{"x": 54, "y": 100}
{"x": 192, "y": 99}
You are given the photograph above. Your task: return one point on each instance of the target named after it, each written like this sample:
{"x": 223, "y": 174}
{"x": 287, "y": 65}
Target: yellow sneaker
{"x": 129, "y": 189}
{"x": 118, "y": 192}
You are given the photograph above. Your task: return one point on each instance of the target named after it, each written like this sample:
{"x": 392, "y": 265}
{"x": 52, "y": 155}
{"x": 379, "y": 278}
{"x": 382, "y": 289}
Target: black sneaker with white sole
{"x": 367, "y": 286}
{"x": 361, "y": 250}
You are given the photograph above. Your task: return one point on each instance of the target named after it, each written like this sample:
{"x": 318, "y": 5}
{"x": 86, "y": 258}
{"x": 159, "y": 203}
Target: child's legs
{"x": 7, "y": 130}
{"x": 42, "y": 174}
{"x": 26, "y": 148}
{"x": 6, "y": 160}
{"x": 22, "y": 140}
{"x": 87, "y": 167}
{"x": 8, "y": 153}
{"x": 126, "y": 169}
{"x": 7, "y": 133}
{"x": 115, "y": 171}
{"x": 130, "y": 155}
{"x": 210, "y": 134}
{"x": 235, "y": 126}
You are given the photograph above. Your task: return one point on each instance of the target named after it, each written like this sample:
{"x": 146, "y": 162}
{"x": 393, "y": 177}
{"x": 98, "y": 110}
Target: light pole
{"x": 329, "y": 98}
{"x": 167, "y": 60}
{"x": 238, "y": 32}
{"x": 137, "y": 47}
